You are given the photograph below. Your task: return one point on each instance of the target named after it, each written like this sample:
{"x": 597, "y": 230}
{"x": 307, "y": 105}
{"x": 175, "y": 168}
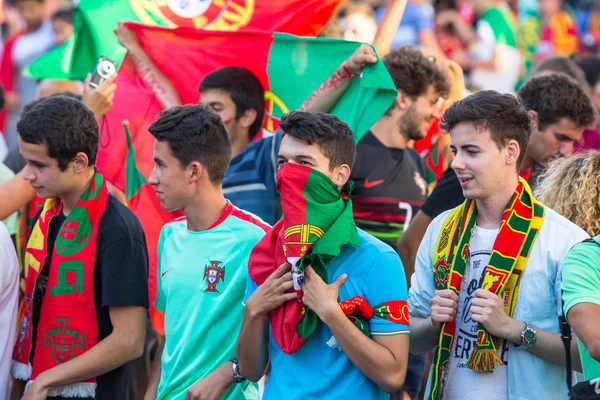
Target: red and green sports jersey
{"x": 390, "y": 187}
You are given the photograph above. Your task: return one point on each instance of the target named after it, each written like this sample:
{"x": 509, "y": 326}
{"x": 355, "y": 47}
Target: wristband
{"x": 347, "y": 73}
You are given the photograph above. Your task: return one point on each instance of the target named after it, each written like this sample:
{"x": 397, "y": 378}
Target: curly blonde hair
{"x": 571, "y": 187}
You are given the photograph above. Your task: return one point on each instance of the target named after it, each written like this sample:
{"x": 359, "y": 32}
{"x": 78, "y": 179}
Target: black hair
{"x": 501, "y": 114}
{"x": 414, "y": 73}
{"x": 245, "y": 90}
{"x": 65, "y": 14}
{"x": 333, "y": 136}
{"x": 65, "y": 125}
{"x": 554, "y": 96}
{"x": 195, "y": 133}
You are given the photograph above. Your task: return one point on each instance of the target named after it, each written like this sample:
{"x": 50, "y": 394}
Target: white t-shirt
{"x": 505, "y": 79}
{"x": 9, "y": 299}
{"x": 488, "y": 386}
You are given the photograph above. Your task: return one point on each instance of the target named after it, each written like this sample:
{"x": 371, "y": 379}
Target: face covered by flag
{"x": 317, "y": 223}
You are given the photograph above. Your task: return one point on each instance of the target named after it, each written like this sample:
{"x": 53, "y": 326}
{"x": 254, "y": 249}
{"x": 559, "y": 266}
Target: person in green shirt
{"x": 572, "y": 188}
{"x": 202, "y": 260}
{"x": 581, "y": 297}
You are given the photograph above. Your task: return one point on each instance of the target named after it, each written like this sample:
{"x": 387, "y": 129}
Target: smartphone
{"x": 105, "y": 68}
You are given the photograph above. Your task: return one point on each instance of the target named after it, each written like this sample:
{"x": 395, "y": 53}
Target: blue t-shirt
{"x": 249, "y": 182}
{"x": 318, "y": 370}
{"x": 416, "y": 18}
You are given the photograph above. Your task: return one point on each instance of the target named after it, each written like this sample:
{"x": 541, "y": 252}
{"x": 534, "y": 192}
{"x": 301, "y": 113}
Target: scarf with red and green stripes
{"x": 521, "y": 222}
{"x": 67, "y": 325}
{"x": 316, "y": 225}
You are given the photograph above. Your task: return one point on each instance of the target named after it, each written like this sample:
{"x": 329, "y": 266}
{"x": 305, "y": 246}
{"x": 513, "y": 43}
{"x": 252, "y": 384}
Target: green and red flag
{"x": 289, "y": 68}
{"x": 95, "y": 20}
{"x": 317, "y": 224}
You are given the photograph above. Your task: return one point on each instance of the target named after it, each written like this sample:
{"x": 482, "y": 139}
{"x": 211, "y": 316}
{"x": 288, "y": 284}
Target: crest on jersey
{"x": 214, "y": 272}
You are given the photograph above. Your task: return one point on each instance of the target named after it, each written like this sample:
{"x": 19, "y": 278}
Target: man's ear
{"x": 195, "y": 170}
{"x": 534, "y": 120}
{"x": 80, "y": 162}
{"x": 513, "y": 151}
{"x": 248, "y": 118}
{"x": 341, "y": 175}
{"x": 402, "y": 100}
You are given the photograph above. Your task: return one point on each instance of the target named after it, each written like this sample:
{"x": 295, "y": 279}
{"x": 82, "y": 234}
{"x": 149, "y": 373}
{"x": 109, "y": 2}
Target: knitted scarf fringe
{"x": 76, "y": 390}
{"x": 20, "y": 371}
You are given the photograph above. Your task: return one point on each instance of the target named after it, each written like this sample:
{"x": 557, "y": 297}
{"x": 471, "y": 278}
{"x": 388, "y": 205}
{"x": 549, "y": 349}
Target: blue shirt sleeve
{"x": 424, "y": 19}
{"x": 251, "y": 286}
{"x": 384, "y": 282}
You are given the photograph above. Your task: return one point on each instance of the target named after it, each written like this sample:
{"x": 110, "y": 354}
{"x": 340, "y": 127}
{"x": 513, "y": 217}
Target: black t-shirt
{"x": 120, "y": 279}
{"x": 390, "y": 187}
{"x": 446, "y": 195}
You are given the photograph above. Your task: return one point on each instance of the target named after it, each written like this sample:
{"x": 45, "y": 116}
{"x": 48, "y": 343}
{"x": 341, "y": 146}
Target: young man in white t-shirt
{"x": 9, "y": 300}
{"x": 489, "y": 134}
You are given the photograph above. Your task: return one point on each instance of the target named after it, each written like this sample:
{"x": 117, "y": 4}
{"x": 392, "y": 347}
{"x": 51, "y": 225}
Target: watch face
{"x": 529, "y": 336}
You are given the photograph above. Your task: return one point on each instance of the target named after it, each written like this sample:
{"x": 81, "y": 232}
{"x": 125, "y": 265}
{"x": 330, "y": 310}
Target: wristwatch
{"x": 235, "y": 369}
{"x": 528, "y": 337}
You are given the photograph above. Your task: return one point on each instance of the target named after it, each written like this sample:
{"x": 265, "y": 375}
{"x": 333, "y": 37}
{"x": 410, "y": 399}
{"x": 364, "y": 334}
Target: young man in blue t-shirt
{"x": 353, "y": 365}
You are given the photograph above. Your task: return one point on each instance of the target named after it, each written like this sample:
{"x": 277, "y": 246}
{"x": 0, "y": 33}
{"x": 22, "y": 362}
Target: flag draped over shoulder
{"x": 95, "y": 20}
{"x": 290, "y": 68}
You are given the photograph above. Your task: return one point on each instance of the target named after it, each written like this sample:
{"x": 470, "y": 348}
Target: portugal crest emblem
{"x": 225, "y": 15}
{"x": 64, "y": 341}
{"x": 214, "y": 272}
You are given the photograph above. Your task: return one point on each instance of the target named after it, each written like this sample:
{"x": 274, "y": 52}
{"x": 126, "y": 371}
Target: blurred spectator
{"x": 62, "y": 24}
{"x": 558, "y": 35}
{"x": 416, "y": 27}
{"x": 20, "y": 51}
{"x": 356, "y": 21}
{"x": 495, "y": 61}
{"x": 591, "y": 70}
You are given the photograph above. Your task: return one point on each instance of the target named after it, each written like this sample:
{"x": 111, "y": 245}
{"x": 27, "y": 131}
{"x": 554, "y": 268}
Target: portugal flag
{"x": 290, "y": 69}
{"x": 95, "y": 20}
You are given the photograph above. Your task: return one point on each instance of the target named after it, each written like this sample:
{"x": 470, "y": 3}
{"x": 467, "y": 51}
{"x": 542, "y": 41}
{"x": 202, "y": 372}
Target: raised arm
{"x": 156, "y": 79}
{"x": 388, "y": 26}
{"x": 328, "y": 93}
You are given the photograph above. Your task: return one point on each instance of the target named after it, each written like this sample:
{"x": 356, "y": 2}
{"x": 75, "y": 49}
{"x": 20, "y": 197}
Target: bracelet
{"x": 348, "y": 73}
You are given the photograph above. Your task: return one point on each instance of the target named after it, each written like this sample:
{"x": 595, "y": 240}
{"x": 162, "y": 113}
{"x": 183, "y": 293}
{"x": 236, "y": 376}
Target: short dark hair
{"x": 245, "y": 90}
{"x": 195, "y": 133}
{"x": 332, "y": 135}
{"x": 501, "y": 114}
{"x": 32, "y": 103}
{"x": 553, "y": 96}
{"x": 64, "y": 14}
{"x": 414, "y": 73}
{"x": 65, "y": 125}
{"x": 591, "y": 70}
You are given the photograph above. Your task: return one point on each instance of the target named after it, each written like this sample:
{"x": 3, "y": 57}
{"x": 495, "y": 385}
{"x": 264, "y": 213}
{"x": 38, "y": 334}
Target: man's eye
{"x": 281, "y": 162}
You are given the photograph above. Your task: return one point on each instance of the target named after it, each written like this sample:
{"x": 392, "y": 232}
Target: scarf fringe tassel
{"x": 20, "y": 371}
{"x": 484, "y": 360}
{"x": 76, "y": 390}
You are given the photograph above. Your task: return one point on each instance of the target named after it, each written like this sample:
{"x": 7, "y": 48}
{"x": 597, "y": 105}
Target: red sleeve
{"x": 7, "y": 66}
{"x": 7, "y": 76}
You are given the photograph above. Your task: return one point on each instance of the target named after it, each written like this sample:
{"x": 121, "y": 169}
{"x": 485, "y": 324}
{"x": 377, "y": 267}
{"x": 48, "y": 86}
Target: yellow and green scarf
{"x": 521, "y": 222}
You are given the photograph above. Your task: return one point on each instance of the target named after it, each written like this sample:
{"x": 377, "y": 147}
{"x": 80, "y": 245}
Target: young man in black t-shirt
{"x": 390, "y": 178}
{"x": 58, "y": 138}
